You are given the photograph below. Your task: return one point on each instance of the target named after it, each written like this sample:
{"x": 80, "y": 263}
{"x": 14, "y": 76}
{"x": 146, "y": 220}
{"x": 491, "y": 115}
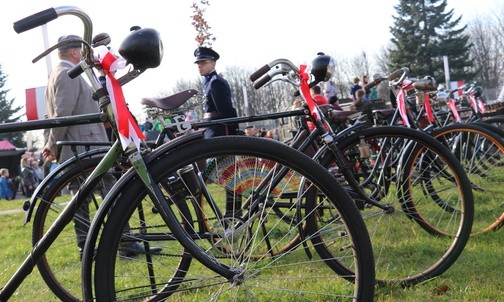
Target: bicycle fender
{"x": 29, "y": 205}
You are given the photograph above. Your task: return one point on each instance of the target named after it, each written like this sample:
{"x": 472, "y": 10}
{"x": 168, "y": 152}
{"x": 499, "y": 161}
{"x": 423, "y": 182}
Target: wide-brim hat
{"x": 205, "y": 53}
{"x": 69, "y": 45}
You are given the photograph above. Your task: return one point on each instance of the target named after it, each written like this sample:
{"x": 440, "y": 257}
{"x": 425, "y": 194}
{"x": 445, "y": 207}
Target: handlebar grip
{"x": 35, "y": 20}
{"x": 259, "y": 73}
{"x": 262, "y": 81}
{"x": 397, "y": 73}
{"x": 75, "y": 71}
{"x": 371, "y": 84}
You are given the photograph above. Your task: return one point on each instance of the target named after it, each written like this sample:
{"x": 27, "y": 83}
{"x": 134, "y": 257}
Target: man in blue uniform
{"x": 218, "y": 103}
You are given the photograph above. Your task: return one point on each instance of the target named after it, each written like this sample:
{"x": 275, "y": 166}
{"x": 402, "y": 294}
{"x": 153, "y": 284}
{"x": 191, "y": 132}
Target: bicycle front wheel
{"x": 244, "y": 244}
{"x": 405, "y": 252}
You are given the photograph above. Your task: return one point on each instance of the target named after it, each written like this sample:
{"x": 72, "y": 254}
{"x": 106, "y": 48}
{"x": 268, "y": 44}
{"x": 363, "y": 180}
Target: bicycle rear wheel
{"x": 239, "y": 164}
{"x": 405, "y": 253}
{"x": 60, "y": 277}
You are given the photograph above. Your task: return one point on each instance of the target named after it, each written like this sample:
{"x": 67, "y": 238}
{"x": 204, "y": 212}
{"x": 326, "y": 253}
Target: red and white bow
{"x": 126, "y": 125}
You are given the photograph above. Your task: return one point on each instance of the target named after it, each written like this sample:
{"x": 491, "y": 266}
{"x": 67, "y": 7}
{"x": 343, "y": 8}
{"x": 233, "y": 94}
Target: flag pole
{"x": 45, "y": 38}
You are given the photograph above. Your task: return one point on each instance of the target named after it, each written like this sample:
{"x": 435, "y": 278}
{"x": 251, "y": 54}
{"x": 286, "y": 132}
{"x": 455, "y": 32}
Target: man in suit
{"x": 65, "y": 96}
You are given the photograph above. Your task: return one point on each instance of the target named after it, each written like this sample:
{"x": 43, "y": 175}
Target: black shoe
{"x": 135, "y": 248}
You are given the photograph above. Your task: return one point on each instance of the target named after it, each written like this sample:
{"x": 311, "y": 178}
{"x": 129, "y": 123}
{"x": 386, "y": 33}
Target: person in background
{"x": 251, "y": 131}
{"x": 217, "y": 92}
{"x": 371, "y": 94}
{"x": 263, "y": 132}
{"x": 318, "y": 97}
{"x": 29, "y": 178}
{"x": 49, "y": 164}
{"x": 334, "y": 102}
{"x": 354, "y": 87}
{"x": 330, "y": 89}
{"x": 37, "y": 170}
{"x": 360, "y": 100}
{"x": 6, "y": 191}
{"x": 218, "y": 105}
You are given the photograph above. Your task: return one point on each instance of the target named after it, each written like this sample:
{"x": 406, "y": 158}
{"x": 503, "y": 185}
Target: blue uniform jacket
{"x": 219, "y": 103}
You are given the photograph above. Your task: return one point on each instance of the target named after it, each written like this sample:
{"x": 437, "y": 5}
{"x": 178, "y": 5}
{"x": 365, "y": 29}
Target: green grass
{"x": 476, "y": 276}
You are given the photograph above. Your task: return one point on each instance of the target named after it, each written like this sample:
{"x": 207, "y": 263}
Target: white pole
{"x": 446, "y": 71}
{"x": 245, "y": 100}
{"x": 45, "y": 38}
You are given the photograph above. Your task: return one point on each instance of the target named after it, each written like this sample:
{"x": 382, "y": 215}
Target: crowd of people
{"x": 32, "y": 170}
{"x": 361, "y": 96}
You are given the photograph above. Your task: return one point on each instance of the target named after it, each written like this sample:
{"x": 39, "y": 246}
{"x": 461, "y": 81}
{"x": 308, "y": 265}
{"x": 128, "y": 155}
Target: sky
{"x": 248, "y": 34}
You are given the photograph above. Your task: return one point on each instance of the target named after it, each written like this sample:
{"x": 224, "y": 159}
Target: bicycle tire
{"x": 109, "y": 269}
{"x": 481, "y": 152}
{"x": 52, "y": 201}
{"x": 395, "y": 232}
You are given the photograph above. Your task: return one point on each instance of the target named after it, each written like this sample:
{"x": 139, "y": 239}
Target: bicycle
{"x": 155, "y": 167}
{"x": 486, "y": 115}
{"x": 367, "y": 161}
{"x": 479, "y": 146}
{"x": 52, "y": 194}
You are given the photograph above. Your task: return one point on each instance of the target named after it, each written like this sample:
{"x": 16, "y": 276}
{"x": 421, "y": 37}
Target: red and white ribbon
{"x": 453, "y": 107}
{"x": 481, "y": 106}
{"x": 304, "y": 88}
{"x": 429, "y": 114}
{"x": 126, "y": 125}
{"x": 473, "y": 102}
{"x": 401, "y": 103}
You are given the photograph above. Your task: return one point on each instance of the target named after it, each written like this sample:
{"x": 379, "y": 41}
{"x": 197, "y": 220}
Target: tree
{"x": 8, "y": 114}
{"x": 422, "y": 34}
{"x": 204, "y": 37}
{"x": 486, "y": 35}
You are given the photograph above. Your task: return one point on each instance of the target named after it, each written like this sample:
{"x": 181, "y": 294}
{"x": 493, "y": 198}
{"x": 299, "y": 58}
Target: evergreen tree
{"x": 422, "y": 34}
{"x": 8, "y": 114}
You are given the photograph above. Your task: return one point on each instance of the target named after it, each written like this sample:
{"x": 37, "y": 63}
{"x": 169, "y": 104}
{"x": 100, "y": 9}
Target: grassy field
{"x": 476, "y": 276}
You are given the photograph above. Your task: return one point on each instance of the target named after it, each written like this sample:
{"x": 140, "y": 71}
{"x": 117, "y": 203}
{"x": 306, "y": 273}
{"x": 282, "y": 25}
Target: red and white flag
{"x": 35, "y": 103}
{"x": 454, "y": 85}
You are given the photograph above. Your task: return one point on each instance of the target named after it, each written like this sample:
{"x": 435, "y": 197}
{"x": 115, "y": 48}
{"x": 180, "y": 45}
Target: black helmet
{"x": 142, "y": 48}
{"x": 322, "y": 68}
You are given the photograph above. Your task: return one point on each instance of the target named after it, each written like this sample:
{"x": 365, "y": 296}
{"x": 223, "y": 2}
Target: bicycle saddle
{"x": 384, "y": 112}
{"x": 170, "y": 102}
